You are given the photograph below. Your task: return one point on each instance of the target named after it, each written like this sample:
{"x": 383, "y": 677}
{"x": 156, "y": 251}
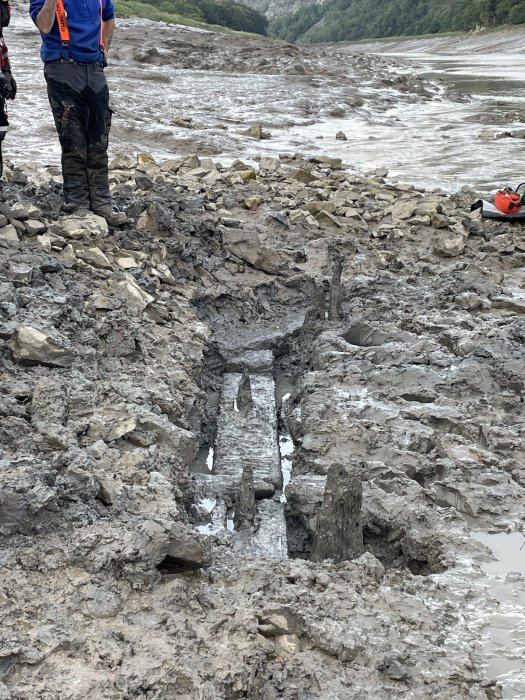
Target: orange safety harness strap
{"x": 62, "y": 23}
{"x": 63, "y": 28}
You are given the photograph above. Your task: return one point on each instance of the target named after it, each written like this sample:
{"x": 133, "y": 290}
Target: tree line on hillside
{"x": 350, "y": 20}
{"x": 225, "y": 13}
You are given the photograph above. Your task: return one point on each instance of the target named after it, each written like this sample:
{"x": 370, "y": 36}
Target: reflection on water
{"x": 504, "y": 635}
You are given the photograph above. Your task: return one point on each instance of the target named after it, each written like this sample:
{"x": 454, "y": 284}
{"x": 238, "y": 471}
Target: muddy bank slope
{"x": 480, "y": 41}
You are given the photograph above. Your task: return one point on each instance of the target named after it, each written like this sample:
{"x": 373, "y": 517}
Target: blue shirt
{"x": 83, "y": 20}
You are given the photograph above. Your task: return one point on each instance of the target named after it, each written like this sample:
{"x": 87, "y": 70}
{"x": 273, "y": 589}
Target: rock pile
{"x": 397, "y": 315}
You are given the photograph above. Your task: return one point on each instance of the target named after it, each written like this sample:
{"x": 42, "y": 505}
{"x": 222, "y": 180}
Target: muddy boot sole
{"x": 71, "y": 208}
{"x": 113, "y": 218}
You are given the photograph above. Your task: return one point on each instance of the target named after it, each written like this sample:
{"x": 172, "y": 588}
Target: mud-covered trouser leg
{"x": 3, "y": 129}
{"x": 97, "y": 133}
{"x": 64, "y": 87}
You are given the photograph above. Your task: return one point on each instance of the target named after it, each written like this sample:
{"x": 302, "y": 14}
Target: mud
{"x": 176, "y": 394}
{"x": 371, "y": 326}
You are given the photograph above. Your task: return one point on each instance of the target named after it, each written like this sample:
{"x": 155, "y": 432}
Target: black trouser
{"x": 3, "y": 129}
{"x": 79, "y": 98}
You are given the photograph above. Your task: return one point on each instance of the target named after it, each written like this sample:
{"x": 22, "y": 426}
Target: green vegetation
{"x": 198, "y": 13}
{"x": 351, "y": 20}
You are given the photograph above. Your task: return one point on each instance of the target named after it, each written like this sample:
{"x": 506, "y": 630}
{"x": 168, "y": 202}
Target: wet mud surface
{"x": 264, "y": 441}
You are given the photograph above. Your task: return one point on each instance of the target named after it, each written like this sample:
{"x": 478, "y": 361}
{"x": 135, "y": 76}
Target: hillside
{"x": 350, "y": 20}
{"x": 198, "y": 13}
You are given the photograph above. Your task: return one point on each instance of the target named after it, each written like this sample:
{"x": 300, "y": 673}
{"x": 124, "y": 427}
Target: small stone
{"x": 449, "y": 245}
{"x": 487, "y": 135}
{"x": 34, "y": 227}
{"x": 297, "y": 215}
{"x": 144, "y": 182}
{"x": 30, "y": 344}
{"x": 341, "y": 136}
{"x": 328, "y": 162}
{"x": 302, "y": 175}
{"x": 183, "y": 122}
{"x": 50, "y": 241}
{"x": 174, "y": 549}
{"x": 269, "y": 165}
{"x": 106, "y": 491}
{"x": 328, "y": 219}
{"x": 98, "y": 449}
{"x": 20, "y": 273}
{"x": 251, "y": 203}
{"x": 109, "y": 427}
{"x": 145, "y": 159}
{"x": 8, "y": 237}
{"x": 94, "y": 256}
{"x": 255, "y": 132}
{"x": 126, "y": 263}
{"x": 403, "y": 209}
{"x": 19, "y": 211}
{"x": 136, "y": 298}
{"x": 247, "y": 175}
{"x": 83, "y": 225}
{"x": 123, "y": 162}
{"x": 19, "y": 225}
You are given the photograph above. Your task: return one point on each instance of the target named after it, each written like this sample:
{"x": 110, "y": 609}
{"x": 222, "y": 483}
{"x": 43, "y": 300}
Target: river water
{"x": 430, "y": 144}
{"x": 438, "y": 143}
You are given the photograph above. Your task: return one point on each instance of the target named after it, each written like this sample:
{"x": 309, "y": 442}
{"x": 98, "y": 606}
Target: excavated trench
{"x": 252, "y": 485}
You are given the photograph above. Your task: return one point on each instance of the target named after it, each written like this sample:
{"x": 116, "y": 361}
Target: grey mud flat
{"x": 393, "y": 317}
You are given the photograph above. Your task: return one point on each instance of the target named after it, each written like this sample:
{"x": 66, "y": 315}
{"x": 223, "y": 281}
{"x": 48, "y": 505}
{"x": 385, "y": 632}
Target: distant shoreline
{"x": 501, "y": 40}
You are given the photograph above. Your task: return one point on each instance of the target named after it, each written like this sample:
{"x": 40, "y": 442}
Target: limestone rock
{"x": 83, "y": 226}
{"x": 328, "y": 219}
{"x": 34, "y": 227}
{"x": 269, "y": 165}
{"x": 404, "y": 209}
{"x": 327, "y": 162}
{"x": 94, "y": 256}
{"x": 19, "y": 211}
{"x": 31, "y": 345}
{"x": 110, "y": 426}
{"x": 136, "y": 298}
{"x": 126, "y": 262}
{"x": 123, "y": 162}
{"x": 449, "y": 244}
{"x": 184, "y": 122}
{"x": 8, "y": 237}
{"x": 302, "y": 175}
{"x": 245, "y": 244}
{"x": 20, "y": 273}
{"x": 255, "y": 132}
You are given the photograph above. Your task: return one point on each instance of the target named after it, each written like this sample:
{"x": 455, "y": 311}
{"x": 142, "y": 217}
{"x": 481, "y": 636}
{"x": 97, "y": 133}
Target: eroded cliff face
{"x": 278, "y": 8}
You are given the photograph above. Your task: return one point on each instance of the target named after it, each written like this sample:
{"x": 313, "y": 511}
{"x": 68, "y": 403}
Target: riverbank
{"x": 277, "y": 350}
{"x": 500, "y": 40}
{"x": 390, "y": 318}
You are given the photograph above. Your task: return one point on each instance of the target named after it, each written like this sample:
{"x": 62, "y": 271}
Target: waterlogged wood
{"x": 339, "y": 533}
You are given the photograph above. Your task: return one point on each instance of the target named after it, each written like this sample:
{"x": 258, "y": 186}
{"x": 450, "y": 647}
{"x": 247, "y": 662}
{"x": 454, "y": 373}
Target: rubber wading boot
{"x": 113, "y": 217}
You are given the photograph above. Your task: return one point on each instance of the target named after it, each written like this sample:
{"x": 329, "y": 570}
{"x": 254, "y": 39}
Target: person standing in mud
{"x": 7, "y": 82}
{"x": 76, "y": 36}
